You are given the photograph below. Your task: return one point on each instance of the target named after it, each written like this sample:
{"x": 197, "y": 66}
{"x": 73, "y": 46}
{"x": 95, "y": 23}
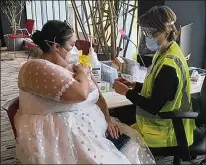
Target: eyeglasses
{"x": 148, "y": 32}
{"x": 68, "y": 25}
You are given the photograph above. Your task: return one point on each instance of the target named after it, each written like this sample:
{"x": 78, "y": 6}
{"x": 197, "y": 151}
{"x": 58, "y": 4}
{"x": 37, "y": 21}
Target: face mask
{"x": 151, "y": 44}
{"x": 73, "y": 56}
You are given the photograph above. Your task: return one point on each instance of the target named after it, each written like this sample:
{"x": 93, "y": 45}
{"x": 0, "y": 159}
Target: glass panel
{"x": 44, "y": 12}
{"x": 62, "y": 8}
{"x": 29, "y": 11}
{"x": 38, "y": 15}
{"x": 56, "y": 9}
{"x": 33, "y": 10}
{"x": 49, "y": 10}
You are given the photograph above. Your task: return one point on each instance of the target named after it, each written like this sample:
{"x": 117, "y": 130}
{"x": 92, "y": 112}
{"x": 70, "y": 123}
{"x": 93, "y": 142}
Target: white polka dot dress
{"x": 53, "y": 132}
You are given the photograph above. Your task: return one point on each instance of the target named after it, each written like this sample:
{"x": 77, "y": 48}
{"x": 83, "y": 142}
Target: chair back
{"x": 12, "y": 108}
{"x": 30, "y": 25}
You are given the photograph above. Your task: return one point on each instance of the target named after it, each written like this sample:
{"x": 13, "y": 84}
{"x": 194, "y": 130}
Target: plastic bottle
{"x": 95, "y": 64}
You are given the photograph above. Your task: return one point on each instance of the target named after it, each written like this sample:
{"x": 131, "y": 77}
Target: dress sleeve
{"x": 46, "y": 79}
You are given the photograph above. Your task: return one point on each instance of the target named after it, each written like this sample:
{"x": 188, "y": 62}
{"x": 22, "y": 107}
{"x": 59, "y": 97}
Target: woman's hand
{"x": 81, "y": 68}
{"x": 120, "y": 88}
{"x": 129, "y": 84}
{"x": 112, "y": 128}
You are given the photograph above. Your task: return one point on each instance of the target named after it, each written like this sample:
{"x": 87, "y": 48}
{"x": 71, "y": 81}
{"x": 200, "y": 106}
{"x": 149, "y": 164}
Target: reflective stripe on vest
{"x": 185, "y": 104}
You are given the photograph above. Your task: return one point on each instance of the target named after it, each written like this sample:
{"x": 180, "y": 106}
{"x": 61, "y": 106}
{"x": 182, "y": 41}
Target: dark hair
{"x": 161, "y": 18}
{"x": 54, "y": 31}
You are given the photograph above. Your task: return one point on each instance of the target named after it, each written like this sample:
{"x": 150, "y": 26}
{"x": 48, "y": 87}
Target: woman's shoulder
{"x": 37, "y": 64}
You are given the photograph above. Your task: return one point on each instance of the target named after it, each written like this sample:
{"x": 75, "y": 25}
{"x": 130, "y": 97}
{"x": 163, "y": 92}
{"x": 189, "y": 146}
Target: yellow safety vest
{"x": 159, "y": 132}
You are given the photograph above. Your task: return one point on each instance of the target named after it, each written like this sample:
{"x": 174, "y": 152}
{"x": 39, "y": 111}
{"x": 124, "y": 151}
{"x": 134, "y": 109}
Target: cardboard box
{"x": 119, "y": 64}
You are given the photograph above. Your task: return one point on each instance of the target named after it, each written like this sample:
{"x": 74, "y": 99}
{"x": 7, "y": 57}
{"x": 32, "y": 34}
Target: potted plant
{"x": 101, "y": 20}
{"x": 12, "y": 9}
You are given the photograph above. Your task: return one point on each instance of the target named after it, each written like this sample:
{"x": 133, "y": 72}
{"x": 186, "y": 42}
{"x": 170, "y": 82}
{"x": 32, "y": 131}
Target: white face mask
{"x": 73, "y": 56}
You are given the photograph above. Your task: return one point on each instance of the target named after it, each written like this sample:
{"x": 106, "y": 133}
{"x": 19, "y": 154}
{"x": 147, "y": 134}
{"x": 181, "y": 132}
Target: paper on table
{"x": 129, "y": 65}
{"x": 139, "y": 73}
{"x": 133, "y": 68}
{"x": 115, "y": 100}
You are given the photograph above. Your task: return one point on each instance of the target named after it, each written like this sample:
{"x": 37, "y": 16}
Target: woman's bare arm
{"x": 102, "y": 103}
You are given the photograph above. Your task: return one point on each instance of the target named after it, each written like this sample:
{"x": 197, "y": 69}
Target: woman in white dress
{"x": 62, "y": 117}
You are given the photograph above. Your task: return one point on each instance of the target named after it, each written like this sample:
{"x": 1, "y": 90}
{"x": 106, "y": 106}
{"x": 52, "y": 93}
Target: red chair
{"x": 29, "y": 44}
{"x": 30, "y": 25}
{"x": 11, "y": 107}
{"x": 25, "y": 32}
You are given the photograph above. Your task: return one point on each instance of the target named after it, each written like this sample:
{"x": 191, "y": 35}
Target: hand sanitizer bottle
{"x": 95, "y": 64}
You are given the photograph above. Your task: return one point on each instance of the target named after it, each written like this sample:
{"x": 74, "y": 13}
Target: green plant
{"x": 13, "y": 11}
{"x": 101, "y": 21}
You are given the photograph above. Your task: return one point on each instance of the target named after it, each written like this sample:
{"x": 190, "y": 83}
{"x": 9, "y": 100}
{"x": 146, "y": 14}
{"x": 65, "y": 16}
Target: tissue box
{"x": 109, "y": 74}
{"x": 104, "y": 86}
{"x": 119, "y": 64}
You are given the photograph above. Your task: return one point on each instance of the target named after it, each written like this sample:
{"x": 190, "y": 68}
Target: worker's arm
{"x": 164, "y": 89}
{"x": 138, "y": 87}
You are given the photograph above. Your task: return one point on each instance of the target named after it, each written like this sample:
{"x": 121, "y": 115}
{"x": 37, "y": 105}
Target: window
{"x": 42, "y": 11}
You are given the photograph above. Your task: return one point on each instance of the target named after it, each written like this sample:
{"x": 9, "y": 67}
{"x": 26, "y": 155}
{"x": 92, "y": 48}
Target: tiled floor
{"x": 9, "y": 90}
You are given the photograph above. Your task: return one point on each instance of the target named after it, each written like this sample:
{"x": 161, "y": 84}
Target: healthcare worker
{"x": 167, "y": 84}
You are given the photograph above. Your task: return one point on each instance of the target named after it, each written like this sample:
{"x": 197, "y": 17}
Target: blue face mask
{"x": 151, "y": 44}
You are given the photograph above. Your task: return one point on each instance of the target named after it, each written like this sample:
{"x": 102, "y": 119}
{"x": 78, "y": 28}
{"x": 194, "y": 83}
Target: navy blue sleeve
{"x": 138, "y": 87}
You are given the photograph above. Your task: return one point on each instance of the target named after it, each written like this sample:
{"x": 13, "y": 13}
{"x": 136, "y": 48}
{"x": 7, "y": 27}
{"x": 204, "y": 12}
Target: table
{"x": 115, "y": 100}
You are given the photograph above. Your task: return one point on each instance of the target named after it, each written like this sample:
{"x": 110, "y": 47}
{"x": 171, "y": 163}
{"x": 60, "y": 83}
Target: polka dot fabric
{"x": 45, "y": 78}
{"x": 55, "y": 132}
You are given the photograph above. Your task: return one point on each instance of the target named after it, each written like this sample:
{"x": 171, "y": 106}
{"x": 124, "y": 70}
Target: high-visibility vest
{"x": 160, "y": 132}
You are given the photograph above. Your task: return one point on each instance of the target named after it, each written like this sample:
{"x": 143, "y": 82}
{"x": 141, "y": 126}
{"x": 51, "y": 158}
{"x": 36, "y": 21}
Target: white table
{"x": 115, "y": 100}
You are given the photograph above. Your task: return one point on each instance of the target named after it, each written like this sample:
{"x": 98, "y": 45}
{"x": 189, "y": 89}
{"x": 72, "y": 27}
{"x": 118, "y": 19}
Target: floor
{"x": 9, "y": 90}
